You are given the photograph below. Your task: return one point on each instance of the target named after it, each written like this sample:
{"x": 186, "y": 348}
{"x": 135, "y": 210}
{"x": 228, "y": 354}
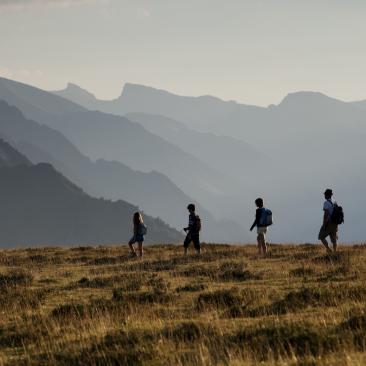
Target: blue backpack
{"x": 266, "y": 218}
{"x": 143, "y": 229}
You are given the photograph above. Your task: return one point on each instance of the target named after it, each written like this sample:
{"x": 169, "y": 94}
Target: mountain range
{"x": 299, "y": 112}
{"x": 308, "y": 142}
{"x": 11, "y": 157}
{"x": 153, "y": 191}
{"x": 40, "y": 206}
{"x": 114, "y": 138}
{"x": 160, "y": 151}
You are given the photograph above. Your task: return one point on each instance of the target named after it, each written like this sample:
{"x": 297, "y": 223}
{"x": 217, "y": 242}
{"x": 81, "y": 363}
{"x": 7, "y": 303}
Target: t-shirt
{"x": 192, "y": 223}
{"x": 329, "y": 207}
{"x": 258, "y": 216}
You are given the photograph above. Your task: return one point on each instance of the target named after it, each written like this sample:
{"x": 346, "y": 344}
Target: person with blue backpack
{"x": 263, "y": 219}
{"x": 139, "y": 232}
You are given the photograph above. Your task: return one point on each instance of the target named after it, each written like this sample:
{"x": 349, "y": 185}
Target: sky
{"x": 251, "y": 51}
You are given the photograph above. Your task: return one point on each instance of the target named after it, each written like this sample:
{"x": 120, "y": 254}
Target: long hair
{"x": 137, "y": 218}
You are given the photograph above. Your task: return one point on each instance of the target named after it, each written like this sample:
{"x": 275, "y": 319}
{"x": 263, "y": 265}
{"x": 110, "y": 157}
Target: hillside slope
{"x": 40, "y": 206}
{"x": 115, "y": 138}
{"x": 153, "y": 192}
{"x": 11, "y": 157}
{"x": 221, "y": 152}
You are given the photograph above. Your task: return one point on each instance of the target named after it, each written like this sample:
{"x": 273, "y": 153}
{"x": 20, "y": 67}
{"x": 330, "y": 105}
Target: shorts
{"x": 195, "y": 238}
{"x": 262, "y": 230}
{"x": 137, "y": 238}
{"x": 330, "y": 230}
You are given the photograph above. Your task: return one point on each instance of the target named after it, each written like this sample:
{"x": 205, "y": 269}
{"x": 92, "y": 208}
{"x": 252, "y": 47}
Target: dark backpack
{"x": 143, "y": 229}
{"x": 266, "y": 218}
{"x": 337, "y": 215}
{"x": 198, "y": 224}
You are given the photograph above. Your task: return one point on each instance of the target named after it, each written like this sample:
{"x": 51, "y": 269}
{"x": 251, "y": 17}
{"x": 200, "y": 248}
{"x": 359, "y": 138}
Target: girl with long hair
{"x": 139, "y": 231}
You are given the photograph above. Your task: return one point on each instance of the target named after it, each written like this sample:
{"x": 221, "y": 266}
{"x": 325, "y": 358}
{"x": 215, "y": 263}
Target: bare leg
{"x": 141, "y": 251}
{"x": 333, "y": 239}
{"x": 132, "y": 248}
{"x": 259, "y": 244}
{"x": 262, "y": 247}
{"x": 186, "y": 243}
{"x": 264, "y": 244}
{"x": 325, "y": 243}
{"x": 197, "y": 245}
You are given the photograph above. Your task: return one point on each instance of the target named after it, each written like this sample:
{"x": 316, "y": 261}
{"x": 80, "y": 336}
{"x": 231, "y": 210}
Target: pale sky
{"x": 252, "y": 51}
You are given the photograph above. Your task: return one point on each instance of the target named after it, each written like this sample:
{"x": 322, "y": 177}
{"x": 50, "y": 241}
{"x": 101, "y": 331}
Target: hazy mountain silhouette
{"x": 359, "y": 103}
{"x": 313, "y": 141}
{"x": 11, "y": 157}
{"x": 80, "y": 96}
{"x": 221, "y": 152}
{"x": 110, "y": 137}
{"x": 153, "y": 192}
{"x": 217, "y": 151}
{"x": 298, "y": 112}
{"x": 200, "y": 113}
{"x": 40, "y": 206}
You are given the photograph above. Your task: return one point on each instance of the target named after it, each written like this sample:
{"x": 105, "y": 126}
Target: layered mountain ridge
{"x": 10, "y": 157}
{"x": 308, "y": 141}
{"x": 41, "y": 206}
{"x": 153, "y": 192}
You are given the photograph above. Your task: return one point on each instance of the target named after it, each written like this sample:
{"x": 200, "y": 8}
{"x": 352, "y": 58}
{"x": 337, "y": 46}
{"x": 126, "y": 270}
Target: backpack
{"x": 143, "y": 229}
{"x": 198, "y": 224}
{"x": 337, "y": 214}
{"x": 266, "y": 218}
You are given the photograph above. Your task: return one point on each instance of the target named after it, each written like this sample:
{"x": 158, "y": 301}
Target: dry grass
{"x": 96, "y": 306}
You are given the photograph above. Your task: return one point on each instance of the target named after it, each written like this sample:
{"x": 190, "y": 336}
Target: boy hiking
{"x": 333, "y": 216}
{"x": 139, "y": 231}
{"x": 193, "y": 230}
{"x": 263, "y": 219}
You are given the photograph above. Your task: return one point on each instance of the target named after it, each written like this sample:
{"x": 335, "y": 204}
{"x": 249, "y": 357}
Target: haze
{"x": 250, "y": 51}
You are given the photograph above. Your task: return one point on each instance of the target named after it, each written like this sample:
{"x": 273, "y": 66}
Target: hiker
{"x": 139, "y": 231}
{"x": 263, "y": 219}
{"x": 193, "y": 230}
{"x": 333, "y": 216}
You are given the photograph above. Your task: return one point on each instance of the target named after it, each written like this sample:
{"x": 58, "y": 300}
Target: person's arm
{"x": 191, "y": 224}
{"x": 325, "y": 217}
{"x": 254, "y": 224}
{"x": 326, "y": 213}
{"x": 188, "y": 227}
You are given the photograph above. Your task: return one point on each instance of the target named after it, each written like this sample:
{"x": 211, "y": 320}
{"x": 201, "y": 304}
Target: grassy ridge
{"x": 95, "y": 306}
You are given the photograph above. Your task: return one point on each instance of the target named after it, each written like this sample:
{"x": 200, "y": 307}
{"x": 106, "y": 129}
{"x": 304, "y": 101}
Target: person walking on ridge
{"x": 263, "y": 219}
{"x": 333, "y": 216}
{"x": 193, "y": 230}
{"x": 139, "y": 231}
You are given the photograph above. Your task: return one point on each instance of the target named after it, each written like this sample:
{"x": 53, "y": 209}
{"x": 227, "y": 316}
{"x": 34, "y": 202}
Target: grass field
{"x": 95, "y": 306}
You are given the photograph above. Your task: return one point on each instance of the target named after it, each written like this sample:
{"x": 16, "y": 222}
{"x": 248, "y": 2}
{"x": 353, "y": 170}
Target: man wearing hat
{"x": 328, "y": 228}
